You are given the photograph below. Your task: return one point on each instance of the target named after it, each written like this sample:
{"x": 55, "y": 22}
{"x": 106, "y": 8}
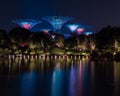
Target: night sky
{"x": 98, "y": 13}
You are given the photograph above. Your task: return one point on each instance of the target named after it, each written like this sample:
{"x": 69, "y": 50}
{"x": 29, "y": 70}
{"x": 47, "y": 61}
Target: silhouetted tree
{"x": 4, "y": 39}
{"x": 19, "y": 36}
{"x": 105, "y": 38}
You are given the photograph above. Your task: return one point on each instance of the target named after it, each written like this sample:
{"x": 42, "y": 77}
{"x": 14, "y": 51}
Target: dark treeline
{"x": 105, "y": 43}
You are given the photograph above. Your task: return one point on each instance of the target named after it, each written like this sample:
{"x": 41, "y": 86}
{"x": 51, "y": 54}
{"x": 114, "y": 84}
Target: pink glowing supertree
{"x": 26, "y": 23}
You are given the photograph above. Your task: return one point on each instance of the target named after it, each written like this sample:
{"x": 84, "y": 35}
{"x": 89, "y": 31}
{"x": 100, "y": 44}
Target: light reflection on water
{"x": 58, "y": 77}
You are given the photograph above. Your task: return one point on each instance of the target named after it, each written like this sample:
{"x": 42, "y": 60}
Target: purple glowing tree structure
{"x": 72, "y": 27}
{"x": 57, "y": 21}
{"x": 26, "y": 23}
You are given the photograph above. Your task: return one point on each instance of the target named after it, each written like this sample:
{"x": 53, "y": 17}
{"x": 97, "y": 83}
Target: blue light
{"x": 28, "y": 82}
{"x": 57, "y": 80}
{"x": 57, "y": 21}
{"x": 26, "y": 23}
{"x": 85, "y": 27}
{"x": 88, "y": 33}
{"x": 72, "y": 27}
{"x": 45, "y": 29}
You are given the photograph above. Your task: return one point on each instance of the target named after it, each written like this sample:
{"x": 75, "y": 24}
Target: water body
{"x": 59, "y": 77}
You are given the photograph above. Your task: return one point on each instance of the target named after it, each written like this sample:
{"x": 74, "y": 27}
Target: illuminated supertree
{"x": 82, "y": 28}
{"x": 45, "y": 30}
{"x": 26, "y": 23}
{"x": 72, "y": 27}
{"x": 78, "y": 28}
{"x": 57, "y": 21}
{"x": 88, "y": 33}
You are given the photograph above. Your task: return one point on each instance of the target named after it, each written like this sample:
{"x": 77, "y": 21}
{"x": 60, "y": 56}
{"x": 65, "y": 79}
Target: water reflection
{"x": 58, "y": 77}
{"x": 57, "y": 80}
{"x": 28, "y": 84}
{"x": 117, "y": 77}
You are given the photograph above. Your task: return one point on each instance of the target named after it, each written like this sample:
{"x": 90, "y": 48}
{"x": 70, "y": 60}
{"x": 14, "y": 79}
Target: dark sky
{"x": 97, "y": 13}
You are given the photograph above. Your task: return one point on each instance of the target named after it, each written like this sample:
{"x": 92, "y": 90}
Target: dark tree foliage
{"x": 19, "y": 34}
{"x": 20, "y": 39}
{"x": 105, "y": 38}
{"x": 4, "y": 39}
{"x": 70, "y": 42}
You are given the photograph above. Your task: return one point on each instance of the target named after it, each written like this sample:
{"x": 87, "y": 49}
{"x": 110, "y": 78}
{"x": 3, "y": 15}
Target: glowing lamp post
{"x": 26, "y": 23}
{"x": 57, "y": 21}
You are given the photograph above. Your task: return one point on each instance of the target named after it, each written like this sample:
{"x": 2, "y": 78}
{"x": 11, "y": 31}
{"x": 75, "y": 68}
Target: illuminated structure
{"x": 88, "y": 33}
{"x": 44, "y": 30}
{"x": 80, "y": 30}
{"x": 72, "y": 27}
{"x": 57, "y": 21}
{"x": 26, "y": 23}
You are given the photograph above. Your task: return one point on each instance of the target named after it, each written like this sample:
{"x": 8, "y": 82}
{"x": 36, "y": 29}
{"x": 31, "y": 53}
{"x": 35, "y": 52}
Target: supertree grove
{"x": 57, "y": 21}
{"x": 26, "y": 23}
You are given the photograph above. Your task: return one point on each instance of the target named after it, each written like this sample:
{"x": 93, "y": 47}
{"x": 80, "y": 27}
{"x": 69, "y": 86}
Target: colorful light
{"x": 57, "y": 21}
{"x": 26, "y": 23}
{"x": 88, "y": 33}
{"x": 72, "y": 27}
{"x": 53, "y": 36}
{"x": 45, "y": 30}
{"x": 80, "y": 30}
{"x": 23, "y": 44}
